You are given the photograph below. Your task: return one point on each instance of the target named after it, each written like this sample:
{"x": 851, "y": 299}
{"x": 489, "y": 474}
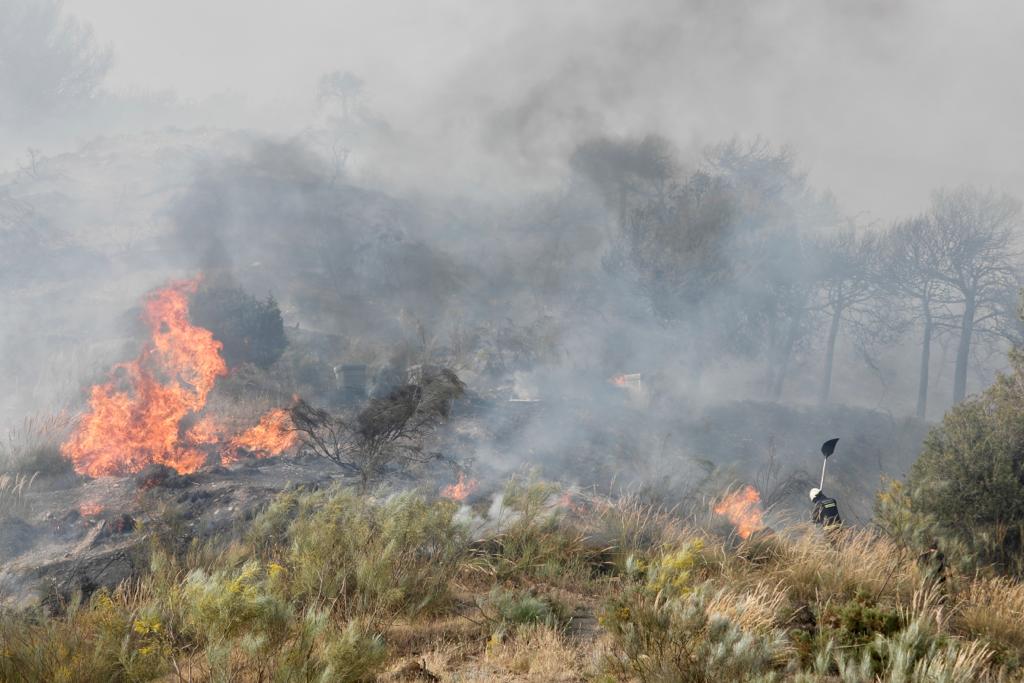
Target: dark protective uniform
{"x": 826, "y": 512}
{"x": 933, "y": 565}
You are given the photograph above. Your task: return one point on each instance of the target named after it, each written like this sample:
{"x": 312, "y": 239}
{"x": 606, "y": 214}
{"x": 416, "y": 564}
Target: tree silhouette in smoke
{"x": 49, "y": 62}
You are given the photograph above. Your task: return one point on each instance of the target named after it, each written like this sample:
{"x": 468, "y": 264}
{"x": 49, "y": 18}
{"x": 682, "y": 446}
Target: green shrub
{"x": 969, "y": 477}
{"x": 100, "y": 641}
{"x": 512, "y": 608}
{"x": 353, "y": 656}
{"x": 915, "y": 654}
{"x": 251, "y": 331}
{"x": 659, "y": 638}
{"x": 633, "y": 530}
{"x": 361, "y": 558}
{"x": 534, "y": 540}
{"x": 859, "y": 622}
{"x": 230, "y": 603}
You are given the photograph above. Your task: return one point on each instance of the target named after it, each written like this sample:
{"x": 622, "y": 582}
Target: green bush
{"x": 361, "y": 558}
{"x": 969, "y": 477}
{"x": 100, "y": 641}
{"x": 512, "y": 608}
{"x": 915, "y": 654}
{"x": 655, "y": 638}
{"x": 251, "y": 331}
{"x": 535, "y": 540}
{"x": 859, "y": 622}
{"x": 230, "y": 603}
{"x": 353, "y": 656}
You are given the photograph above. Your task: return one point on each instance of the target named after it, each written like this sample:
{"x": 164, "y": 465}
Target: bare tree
{"x": 386, "y": 432}
{"x": 848, "y": 267}
{"x": 974, "y": 232}
{"x": 48, "y": 61}
{"x": 770, "y": 311}
{"x": 344, "y": 86}
{"x": 912, "y": 259}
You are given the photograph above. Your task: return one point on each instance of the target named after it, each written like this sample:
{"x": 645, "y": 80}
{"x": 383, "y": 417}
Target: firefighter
{"x": 826, "y": 511}
{"x": 933, "y": 565}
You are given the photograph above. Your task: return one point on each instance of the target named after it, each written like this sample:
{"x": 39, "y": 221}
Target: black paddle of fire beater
{"x": 827, "y": 449}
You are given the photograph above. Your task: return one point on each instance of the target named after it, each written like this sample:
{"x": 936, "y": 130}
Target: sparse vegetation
{"x": 387, "y": 432}
{"x": 337, "y": 585}
{"x": 33, "y": 448}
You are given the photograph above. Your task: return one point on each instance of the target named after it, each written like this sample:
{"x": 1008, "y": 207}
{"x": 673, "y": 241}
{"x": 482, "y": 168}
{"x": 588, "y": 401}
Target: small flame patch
{"x": 743, "y": 509}
{"x": 460, "y": 490}
{"x": 272, "y": 436}
{"x": 90, "y": 509}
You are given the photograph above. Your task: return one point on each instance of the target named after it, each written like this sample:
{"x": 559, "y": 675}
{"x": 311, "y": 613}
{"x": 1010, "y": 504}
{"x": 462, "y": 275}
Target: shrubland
{"x": 530, "y": 583}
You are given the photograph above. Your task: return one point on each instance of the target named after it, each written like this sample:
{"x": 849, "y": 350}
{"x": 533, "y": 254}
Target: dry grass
{"x": 810, "y": 567}
{"x": 537, "y": 653}
{"x": 758, "y": 609}
{"x": 13, "y": 488}
{"x": 993, "y": 610}
{"x": 34, "y": 446}
{"x": 784, "y": 604}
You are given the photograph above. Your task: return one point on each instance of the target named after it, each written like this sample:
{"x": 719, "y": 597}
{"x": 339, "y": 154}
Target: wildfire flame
{"x": 205, "y": 431}
{"x": 137, "y": 417}
{"x": 90, "y": 509}
{"x": 272, "y": 436}
{"x": 460, "y": 490}
{"x": 743, "y": 508}
{"x": 567, "y": 501}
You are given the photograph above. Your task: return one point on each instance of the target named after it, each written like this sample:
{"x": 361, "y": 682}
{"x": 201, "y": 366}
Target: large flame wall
{"x": 135, "y": 418}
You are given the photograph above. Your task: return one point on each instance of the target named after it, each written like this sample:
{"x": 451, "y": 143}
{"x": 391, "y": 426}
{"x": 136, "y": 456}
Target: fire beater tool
{"x": 827, "y": 449}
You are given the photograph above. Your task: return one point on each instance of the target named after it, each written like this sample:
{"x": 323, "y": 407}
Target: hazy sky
{"x": 882, "y": 99}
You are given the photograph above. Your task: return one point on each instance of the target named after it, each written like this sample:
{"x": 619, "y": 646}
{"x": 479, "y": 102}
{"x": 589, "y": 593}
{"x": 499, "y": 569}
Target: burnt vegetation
{"x": 388, "y": 432}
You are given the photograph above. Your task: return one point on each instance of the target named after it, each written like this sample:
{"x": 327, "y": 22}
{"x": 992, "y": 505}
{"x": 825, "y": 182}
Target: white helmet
{"x": 815, "y": 493}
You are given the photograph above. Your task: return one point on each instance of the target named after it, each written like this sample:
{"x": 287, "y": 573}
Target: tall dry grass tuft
{"x": 13, "y": 488}
{"x": 629, "y": 527}
{"x": 993, "y": 609}
{"x": 758, "y": 609}
{"x": 537, "y": 653}
{"x": 858, "y": 562}
{"x": 34, "y": 446}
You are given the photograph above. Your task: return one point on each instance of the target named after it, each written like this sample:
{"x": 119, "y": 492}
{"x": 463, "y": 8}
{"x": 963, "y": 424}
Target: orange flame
{"x": 567, "y": 502}
{"x": 619, "y": 380}
{"x": 205, "y": 431}
{"x": 90, "y": 509}
{"x": 743, "y": 508}
{"x": 136, "y": 418}
{"x": 272, "y": 436}
{"x": 128, "y": 428}
{"x": 460, "y": 490}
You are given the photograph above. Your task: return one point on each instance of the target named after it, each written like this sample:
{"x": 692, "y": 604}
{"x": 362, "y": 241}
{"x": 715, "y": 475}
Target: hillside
{"x": 535, "y": 583}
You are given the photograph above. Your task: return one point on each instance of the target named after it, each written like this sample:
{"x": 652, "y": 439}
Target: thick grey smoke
{"x": 441, "y": 207}
{"x": 883, "y": 100}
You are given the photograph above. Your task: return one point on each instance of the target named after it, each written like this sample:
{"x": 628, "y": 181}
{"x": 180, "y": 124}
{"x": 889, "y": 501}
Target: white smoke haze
{"x": 883, "y": 101}
{"x": 436, "y": 207}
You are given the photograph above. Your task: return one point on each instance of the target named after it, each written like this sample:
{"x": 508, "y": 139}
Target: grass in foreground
{"x": 334, "y": 586}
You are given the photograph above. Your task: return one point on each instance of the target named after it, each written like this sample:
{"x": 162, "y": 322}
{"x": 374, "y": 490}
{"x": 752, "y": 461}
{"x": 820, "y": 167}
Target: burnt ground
{"x": 67, "y": 538}
{"x": 67, "y": 535}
